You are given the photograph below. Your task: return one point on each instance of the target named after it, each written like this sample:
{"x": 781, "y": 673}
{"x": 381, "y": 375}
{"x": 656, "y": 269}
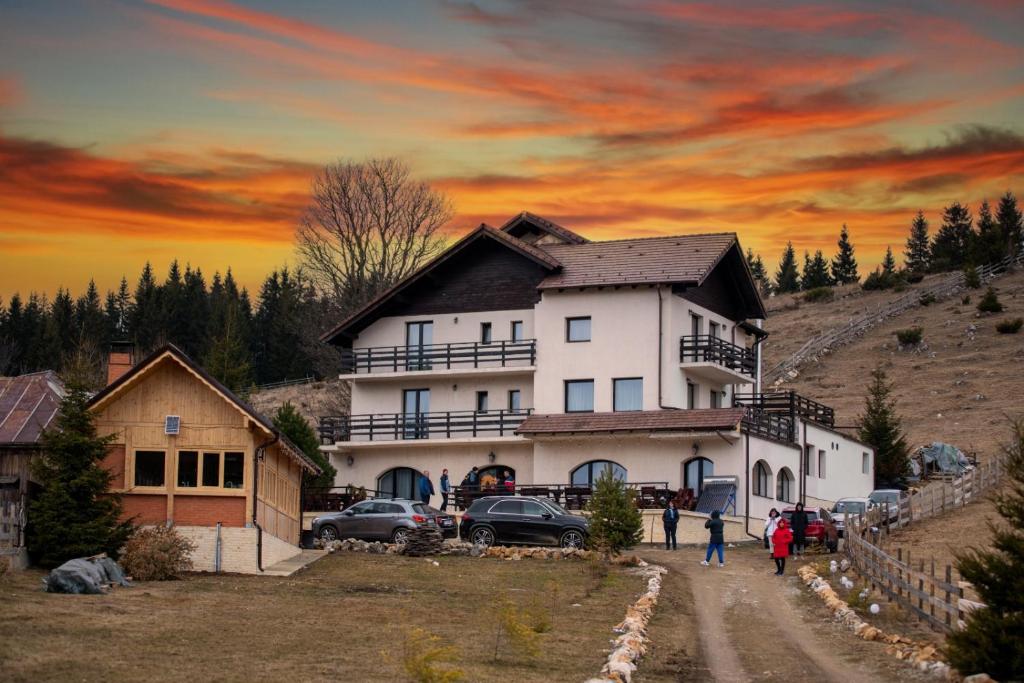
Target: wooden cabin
{"x": 189, "y": 452}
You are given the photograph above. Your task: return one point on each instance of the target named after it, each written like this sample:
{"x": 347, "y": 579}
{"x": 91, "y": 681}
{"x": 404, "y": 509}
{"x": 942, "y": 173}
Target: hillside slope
{"x": 959, "y": 387}
{"x": 314, "y": 400}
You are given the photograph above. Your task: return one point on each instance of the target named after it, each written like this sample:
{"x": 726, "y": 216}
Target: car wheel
{"x": 571, "y": 539}
{"x": 328, "y": 533}
{"x": 400, "y": 535}
{"x": 482, "y": 536}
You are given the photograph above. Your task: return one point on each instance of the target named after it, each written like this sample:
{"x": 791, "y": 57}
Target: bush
{"x": 912, "y": 277}
{"x": 615, "y": 522}
{"x": 882, "y": 280}
{"x": 514, "y": 629}
{"x": 157, "y": 553}
{"x": 909, "y": 337}
{"x": 819, "y": 294}
{"x": 426, "y": 659}
{"x": 1010, "y": 326}
{"x": 971, "y": 278}
{"x": 927, "y": 299}
{"x": 990, "y": 302}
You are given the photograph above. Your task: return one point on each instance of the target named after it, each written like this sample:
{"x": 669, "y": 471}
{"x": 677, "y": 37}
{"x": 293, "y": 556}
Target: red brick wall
{"x": 146, "y": 509}
{"x": 114, "y": 463}
{"x": 208, "y": 510}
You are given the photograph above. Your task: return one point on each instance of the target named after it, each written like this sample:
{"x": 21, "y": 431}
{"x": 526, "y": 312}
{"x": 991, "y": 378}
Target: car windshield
{"x": 555, "y": 507}
{"x": 885, "y": 497}
{"x": 852, "y": 507}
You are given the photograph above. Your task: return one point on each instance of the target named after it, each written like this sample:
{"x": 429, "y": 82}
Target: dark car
{"x": 522, "y": 520}
{"x": 375, "y": 520}
{"x": 820, "y": 527}
{"x": 445, "y": 522}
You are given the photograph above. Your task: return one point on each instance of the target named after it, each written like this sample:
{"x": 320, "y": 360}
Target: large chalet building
{"x": 532, "y": 351}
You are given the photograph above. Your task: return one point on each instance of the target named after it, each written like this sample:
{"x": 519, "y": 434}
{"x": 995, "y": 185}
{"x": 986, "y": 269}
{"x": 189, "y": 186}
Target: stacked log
{"x": 423, "y": 542}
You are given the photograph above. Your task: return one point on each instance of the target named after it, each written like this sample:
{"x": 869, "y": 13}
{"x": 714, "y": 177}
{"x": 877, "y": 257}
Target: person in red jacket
{"x": 781, "y": 540}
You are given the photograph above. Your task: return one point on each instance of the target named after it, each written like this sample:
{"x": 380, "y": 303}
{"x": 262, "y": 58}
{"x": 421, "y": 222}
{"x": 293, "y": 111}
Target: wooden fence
{"x": 826, "y": 341}
{"x": 12, "y": 525}
{"x": 928, "y": 591}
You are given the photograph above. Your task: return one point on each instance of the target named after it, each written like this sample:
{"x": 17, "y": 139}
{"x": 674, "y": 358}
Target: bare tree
{"x": 369, "y": 225}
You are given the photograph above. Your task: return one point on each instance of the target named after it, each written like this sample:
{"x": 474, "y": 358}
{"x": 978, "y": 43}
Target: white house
{"x": 532, "y": 350}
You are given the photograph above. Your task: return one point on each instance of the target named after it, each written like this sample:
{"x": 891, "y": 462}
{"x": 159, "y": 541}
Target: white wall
{"x": 844, "y": 477}
{"x": 238, "y": 549}
{"x": 448, "y": 327}
{"x": 446, "y": 393}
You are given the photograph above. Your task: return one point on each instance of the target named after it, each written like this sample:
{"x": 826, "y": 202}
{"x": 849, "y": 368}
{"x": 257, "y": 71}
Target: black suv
{"x": 522, "y": 520}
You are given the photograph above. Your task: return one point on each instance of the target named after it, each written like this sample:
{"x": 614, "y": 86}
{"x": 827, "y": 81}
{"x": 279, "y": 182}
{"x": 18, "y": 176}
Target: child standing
{"x": 781, "y": 540}
{"x": 717, "y": 540}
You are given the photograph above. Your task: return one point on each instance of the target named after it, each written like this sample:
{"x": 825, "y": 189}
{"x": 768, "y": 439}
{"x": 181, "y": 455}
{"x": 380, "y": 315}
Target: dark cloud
{"x": 929, "y": 183}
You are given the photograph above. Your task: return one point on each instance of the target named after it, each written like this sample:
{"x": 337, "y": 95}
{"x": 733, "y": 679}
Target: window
{"x": 691, "y": 395}
{"x": 399, "y": 482}
{"x": 696, "y": 324}
{"x": 713, "y": 329}
{"x": 577, "y": 329}
{"x": 821, "y": 464}
{"x": 628, "y": 394}
{"x": 589, "y": 472}
{"x": 514, "y": 400}
{"x": 415, "y": 402}
{"x": 784, "y": 486}
{"x": 211, "y": 469}
{"x": 188, "y": 469}
{"x": 534, "y": 509}
{"x": 716, "y": 399}
{"x": 508, "y": 507}
{"x": 809, "y": 460}
{"x": 762, "y": 479}
{"x": 579, "y": 396}
{"x": 149, "y": 468}
{"x": 418, "y": 335}
{"x": 234, "y": 467}
{"x": 361, "y": 508}
{"x": 481, "y": 401}
{"x": 694, "y": 472}
{"x": 485, "y": 333}
{"x": 517, "y": 330}
{"x": 865, "y": 463}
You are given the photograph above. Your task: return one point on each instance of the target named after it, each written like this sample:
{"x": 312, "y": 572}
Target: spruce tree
{"x": 917, "y": 255}
{"x": 228, "y": 356}
{"x": 146, "y": 318}
{"x": 880, "y": 427}
{"x": 293, "y": 425}
{"x": 615, "y": 522}
{"x": 816, "y": 272}
{"x": 993, "y": 640}
{"x": 889, "y": 263}
{"x": 954, "y": 242}
{"x": 989, "y": 246}
{"x": 787, "y": 279}
{"x": 756, "y": 264}
{"x": 74, "y": 515}
{"x": 1011, "y": 225}
{"x": 844, "y": 265}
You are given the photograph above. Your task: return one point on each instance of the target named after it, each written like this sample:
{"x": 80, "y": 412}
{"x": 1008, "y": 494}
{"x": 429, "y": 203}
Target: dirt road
{"x": 742, "y": 623}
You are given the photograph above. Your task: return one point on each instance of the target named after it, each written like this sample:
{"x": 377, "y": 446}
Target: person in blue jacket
{"x": 670, "y": 518}
{"x": 426, "y": 488}
{"x": 446, "y": 489}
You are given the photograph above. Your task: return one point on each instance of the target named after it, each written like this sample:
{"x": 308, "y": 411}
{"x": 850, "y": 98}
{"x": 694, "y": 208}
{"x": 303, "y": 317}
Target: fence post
{"x": 899, "y": 568}
{"x": 920, "y": 590}
{"x": 931, "y": 591}
{"x": 949, "y": 580}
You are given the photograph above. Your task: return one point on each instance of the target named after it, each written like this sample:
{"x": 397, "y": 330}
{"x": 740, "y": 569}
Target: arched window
{"x": 762, "y": 479}
{"x": 400, "y": 482}
{"x": 589, "y": 472}
{"x": 784, "y": 486}
{"x": 694, "y": 472}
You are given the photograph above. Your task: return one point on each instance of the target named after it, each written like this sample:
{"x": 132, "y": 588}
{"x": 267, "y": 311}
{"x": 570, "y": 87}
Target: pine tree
{"x": 192, "y": 327}
{"x": 756, "y": 264}
{"x": 74, "y": 515}
{"x": 917, "y": 256}
{"x": 228, "y": 358}
{"x": 615, "y": 522}
{"x": 880, "y": 427}
{"x": 816, "y": 272}
{"x": 146, "y": 318}
{"x": 888, "y": 263}
{"x": 293, "y": 425}
{"x": 954, "y": 242}
{"x": 787, "y": 279}
{"x": 989, "y": 247}
{"x": 993, "y": 640}
{"x": 118, "y": 309}
{"x": 1011, "y": 225}
{"x": 844, "y": 265}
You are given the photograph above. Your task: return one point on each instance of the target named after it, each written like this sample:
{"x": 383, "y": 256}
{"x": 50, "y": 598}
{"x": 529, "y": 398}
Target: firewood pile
{"x": 423, "y": 541}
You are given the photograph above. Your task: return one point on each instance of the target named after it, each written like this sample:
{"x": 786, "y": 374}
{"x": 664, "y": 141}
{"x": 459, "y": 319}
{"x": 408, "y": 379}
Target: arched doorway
{"x": 496, "y": 475}
{"x": 399, "y": 482}
{"x": 694, "y": 472}
{"x": 589, "y": 472}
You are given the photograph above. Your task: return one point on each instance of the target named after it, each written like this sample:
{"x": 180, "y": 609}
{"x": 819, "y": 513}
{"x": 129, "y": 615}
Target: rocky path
{"x": 754, "y": 626}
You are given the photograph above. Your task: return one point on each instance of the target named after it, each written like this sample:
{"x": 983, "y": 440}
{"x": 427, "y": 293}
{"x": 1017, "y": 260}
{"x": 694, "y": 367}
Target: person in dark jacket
{"x": 426, "y": 488}
{"x": 798, "y": 523}
{"x": 446, "y": 489}
{"x": 670, "y": 518}
{"x": 780, "y": 546}
{"x": 717, "y": 540}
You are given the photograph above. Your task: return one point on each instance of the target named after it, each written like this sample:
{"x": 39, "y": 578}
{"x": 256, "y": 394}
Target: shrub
{"x": 910, "y": 336}
{"x": 971, "y": 278}
{"x": 990, "y": 302}
{"x": 518, "y": 635}
{"x": 927, "y": 299}
{"x": 426, "y": 659}
{"x": 819, "y": 294}
{"x": 912, "y": 277}
{"x": 1010, "y": 326}
{"x": 881, "y": 279}
{"x": 615, "y": 521}
{"x": 157, "y": 553}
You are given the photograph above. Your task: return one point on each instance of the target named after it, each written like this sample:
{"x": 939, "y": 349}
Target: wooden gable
{"x": 728, "y": 289}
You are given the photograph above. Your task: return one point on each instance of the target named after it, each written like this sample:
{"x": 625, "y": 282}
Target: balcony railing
{"x": 439, "y": 425}
{"x": 435, "y": 356}
{"x": 704, "y": 348}
{"x": 774, "y": 414}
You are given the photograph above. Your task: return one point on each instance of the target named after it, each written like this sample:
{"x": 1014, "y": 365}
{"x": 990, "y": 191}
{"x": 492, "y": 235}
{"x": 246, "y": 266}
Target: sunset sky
{"x": 134, "y": 131}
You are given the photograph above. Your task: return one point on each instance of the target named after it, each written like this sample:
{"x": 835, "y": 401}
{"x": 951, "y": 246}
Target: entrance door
{"x": 415, "y": 405}
{"x": 694, "y": 472}
{"x": 418, "y": 336}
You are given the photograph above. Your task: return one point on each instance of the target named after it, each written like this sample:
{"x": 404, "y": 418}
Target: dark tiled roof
{"x": 652, "y": 260}
{"x": 711, "y": 419}
{"x": 545, "y": 225}
{"x": 538, "y": 254}
{"x": 715, "y": 495}
{"x": 28, "y": 404}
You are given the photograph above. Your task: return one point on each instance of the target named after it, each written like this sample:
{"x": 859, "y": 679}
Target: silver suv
{"x": 374, "y": 520}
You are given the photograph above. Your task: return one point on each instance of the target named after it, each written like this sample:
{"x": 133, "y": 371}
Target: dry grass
{"x": 345, "y": 618}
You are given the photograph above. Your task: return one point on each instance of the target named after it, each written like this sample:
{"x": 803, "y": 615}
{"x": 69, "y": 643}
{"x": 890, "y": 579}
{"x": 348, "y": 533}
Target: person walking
{"x": 717, "y": 540}
{"x": 770, "y": 525}
{"x": 798, "y": 522}
{"x": 426, "y": 488}
{"x": 446, "y": 489}
{"x": 780, "y": 546}
{"x": 670, "y": 519}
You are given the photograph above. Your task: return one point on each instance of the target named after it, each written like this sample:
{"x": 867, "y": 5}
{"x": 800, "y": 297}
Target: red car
{"x": 820, "y": 527}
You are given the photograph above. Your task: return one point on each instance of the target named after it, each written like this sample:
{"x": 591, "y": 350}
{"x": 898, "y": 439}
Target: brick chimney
{"x": 120, "y": 361}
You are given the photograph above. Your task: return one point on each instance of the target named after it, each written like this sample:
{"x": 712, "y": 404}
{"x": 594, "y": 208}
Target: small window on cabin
{"x": 149, "y": 468}
{"x": 485, "y": 333}
{"x": 234, "y": 467}
{"x": 188, "y": 469}
{"x": 517, "y": 330}
{"x": 211, "y": 469}
{"x": 577, "y": 329}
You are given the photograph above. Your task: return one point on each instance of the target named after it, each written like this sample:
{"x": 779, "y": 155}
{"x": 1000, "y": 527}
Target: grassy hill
{"x": 958, "y": 387}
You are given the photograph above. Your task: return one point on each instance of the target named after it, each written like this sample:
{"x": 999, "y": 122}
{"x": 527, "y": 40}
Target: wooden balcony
{"x": 717, "y": 360}
{"x": 774, "y": 414}
{"x": 463, "y": 358}
{"x": 422, "y": 426}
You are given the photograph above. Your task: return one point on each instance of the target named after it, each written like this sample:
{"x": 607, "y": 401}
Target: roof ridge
{"x": 649, "y": 237}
